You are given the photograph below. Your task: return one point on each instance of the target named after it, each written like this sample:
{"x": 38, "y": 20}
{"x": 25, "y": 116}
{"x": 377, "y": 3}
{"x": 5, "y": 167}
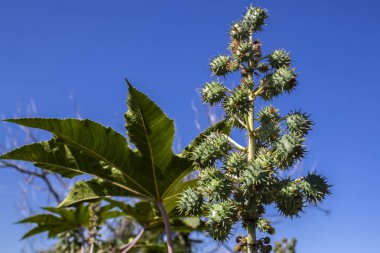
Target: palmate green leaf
{"x": 86, "y": 147}
{"x": 62, "y": 220}
{"x": 70, "y": 154}
{"x": 151, "y": 172}
{"x": 92, "y": 190}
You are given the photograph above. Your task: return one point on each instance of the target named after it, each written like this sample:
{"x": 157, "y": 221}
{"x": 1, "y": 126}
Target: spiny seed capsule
{"x": 279, "y": 58}
{"x": 213, "y": 92}
{"x": 220, "y": 65}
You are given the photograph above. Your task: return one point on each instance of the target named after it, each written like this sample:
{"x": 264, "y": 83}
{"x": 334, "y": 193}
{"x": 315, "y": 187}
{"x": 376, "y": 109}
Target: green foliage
{"x": 151, "y": 172}
{"x": 59, "y": 220}
{"x": 74, "y": 227}
{"x": 236, "y": 183}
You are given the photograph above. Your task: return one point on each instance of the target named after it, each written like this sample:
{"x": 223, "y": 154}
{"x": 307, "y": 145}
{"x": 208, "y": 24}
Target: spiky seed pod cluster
{"x": 220, "y": 65}
{"x": 314, "y": 187}
{"x": 269, "y": 133}
{"x": 235, "y": 164}
{"x": 191, "y": 202}
{"x": 289, "y": 149}
{"x": 268, "y": 114}
{"x": 264, "y": 158}
{"x": 239, "y": 31}
{"x": 244, "y": 51}
{"x": 255, "y": 178}
{"x": 279, "y": 58}
{"x": 208, "y": 152}
{"x": 221, "y": 217}
{"x": 215, "y": 184}
{"x": 299, "y": 123}
{"x": 238, "y": 102}
{"x": 235, "y": 182}
{"x": 282, "y": 80}
{"x": 289, "y": 199}
{"x": 213, "y": 92}
{"x": 255, "y": 18}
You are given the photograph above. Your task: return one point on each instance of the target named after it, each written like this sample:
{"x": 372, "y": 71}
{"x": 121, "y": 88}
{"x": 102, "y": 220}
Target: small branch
{"x": 237, "y": 145}
{"x": 168, "y": 231}
{"x": 262, "y": 58}
{"x": 241, "y": 122}
{"x": 261, "y": 88}
{"x": 43, "y": 176}
{"x": 130, "y": 245}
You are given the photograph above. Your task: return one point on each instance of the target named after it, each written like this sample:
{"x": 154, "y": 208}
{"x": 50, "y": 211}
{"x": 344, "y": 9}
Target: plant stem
{"x": 251, "y": 223}
{"x": 165, "y": 218}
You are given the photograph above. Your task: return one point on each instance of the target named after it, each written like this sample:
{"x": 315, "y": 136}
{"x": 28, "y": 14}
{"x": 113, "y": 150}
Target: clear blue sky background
{"x": 50, "y": 49}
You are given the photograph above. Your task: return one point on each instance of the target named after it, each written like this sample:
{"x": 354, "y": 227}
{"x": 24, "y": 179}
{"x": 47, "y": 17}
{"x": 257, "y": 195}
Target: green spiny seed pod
{"x": 208, "y": 174}
{"x": 299, "y": 123}
{"x": 255, "y": 18}
{"x": 268, "y": 114}
{"x": 221, "y": 217}
{"x": 214, "y": 147}
{"x": 263, "y": 67}
{"x": 264, "y": 226}
{"x": 215, "y": 184}
{"x": 289, "y": 150}
{"x": 239, "y": 31}
{"x": 254, "y": 178}
{"x": 220, "y": 65}
{"x": 191, "y": 202}
{"x": 235, "y": 164}
{"x": 314, "y": 187}
{"x": 289, "y": 199}
{"x": 238, "y": 103}
{"x": 244, "y": 51}
{"x": 213, "y": 92}
{"x": 269, "y": 133}
{"x": 282, "y": 80}
{"x": 264, "y": 158}
{"x": 279, "y": 58}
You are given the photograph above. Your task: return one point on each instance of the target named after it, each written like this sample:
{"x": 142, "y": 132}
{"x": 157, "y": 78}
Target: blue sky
{"x": 51, "y": 49}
